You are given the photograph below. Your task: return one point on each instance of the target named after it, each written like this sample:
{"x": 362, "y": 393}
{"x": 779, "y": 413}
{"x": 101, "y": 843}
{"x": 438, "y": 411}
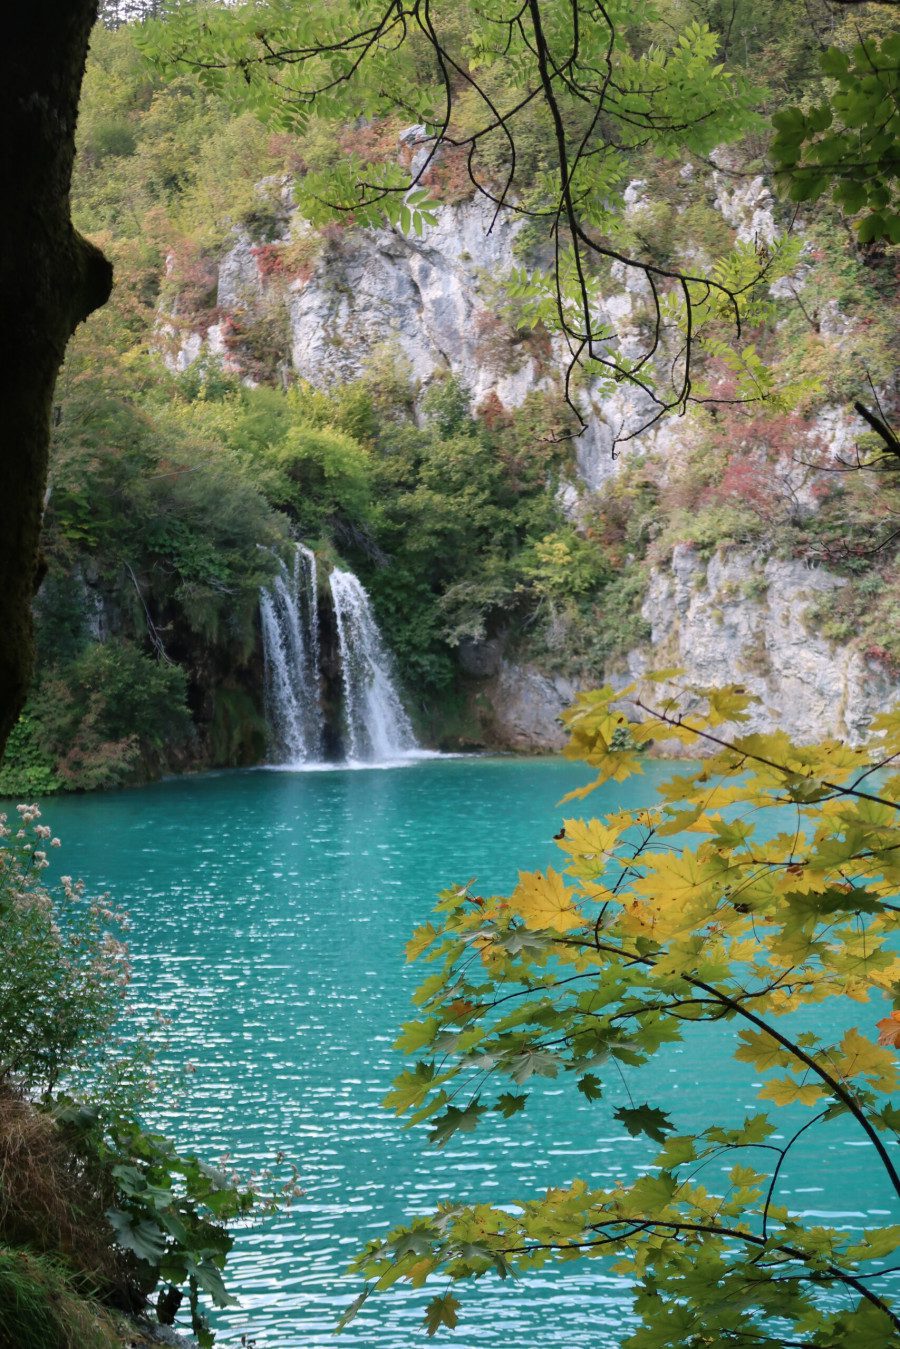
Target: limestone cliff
{"x": 746, "y": 618}
{"x": 435, "y": 303}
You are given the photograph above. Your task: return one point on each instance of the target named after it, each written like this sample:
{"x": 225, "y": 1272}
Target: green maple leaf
{"x": 646, "y": 1119}
{"x": 509, "y": 1103}
{"x": 889, "y": 1118}
{"x": 590, "y": 1086}
{"x": 441, "y": 1311}
{"x": 351, "y": 1312}
{"x": 446, "y": 1125}
{"x": 531, "y": 1061}
{"x": 416, "y": 1243}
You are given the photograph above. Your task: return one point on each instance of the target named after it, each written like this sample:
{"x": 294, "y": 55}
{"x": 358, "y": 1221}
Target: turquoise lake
{"x": 271, "y": 910}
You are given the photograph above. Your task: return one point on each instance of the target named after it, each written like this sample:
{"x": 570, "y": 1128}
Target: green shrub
{"x": 712, "y": 526}
{"x": 566, "y": 565}
{"x": 27, "y": 768}
{"x": 113, "y": 715}
{"x": 446, "y": 406}
{"x": 319, "y": 473}
{"x": 64, "y": 990}
{"x": 618, "y": 624}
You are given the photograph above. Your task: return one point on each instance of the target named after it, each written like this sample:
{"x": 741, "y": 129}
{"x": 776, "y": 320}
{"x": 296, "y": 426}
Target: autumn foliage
{"x": 760, "y": 884}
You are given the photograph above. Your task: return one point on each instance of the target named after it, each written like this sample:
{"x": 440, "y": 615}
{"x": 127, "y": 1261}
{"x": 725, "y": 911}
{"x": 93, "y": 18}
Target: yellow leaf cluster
{"x": 859, "y": 1057}
{"x": 543, "y": 900}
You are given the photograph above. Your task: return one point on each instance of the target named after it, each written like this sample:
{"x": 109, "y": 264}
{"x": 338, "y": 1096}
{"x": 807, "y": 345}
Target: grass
{"x": 52, "y": 1199}
{"x": 63, "y": 1282}
{"x": 44, "y": 1306}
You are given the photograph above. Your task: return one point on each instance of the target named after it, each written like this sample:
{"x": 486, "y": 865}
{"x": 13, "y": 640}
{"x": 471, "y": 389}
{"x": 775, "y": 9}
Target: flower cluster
{"x": 66, "y": 983}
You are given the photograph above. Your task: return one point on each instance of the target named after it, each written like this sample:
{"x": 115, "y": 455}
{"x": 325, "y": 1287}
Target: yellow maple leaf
{"x": 588, "y": 840}
{"x": 886, "y": 978}
{"x": 798, "y": 879}
{"x": 861, "y": 1058}
{"x": 420, "y": 940}
{"x": 728, "y": 704}
{"x": 542, "y": 899}
{"x": 674, "y": 878}
{"x": 419, "y": 1272}
{"x": 762, "y": 1050}
{"x": 785, "y": 1091}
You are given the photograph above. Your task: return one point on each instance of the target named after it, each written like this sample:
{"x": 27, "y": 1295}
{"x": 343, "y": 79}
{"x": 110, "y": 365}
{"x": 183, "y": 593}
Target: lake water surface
{"x": 270, "y": 913}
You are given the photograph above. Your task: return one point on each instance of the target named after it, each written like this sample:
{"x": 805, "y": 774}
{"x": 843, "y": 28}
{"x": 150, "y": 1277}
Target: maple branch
{"x": 680, "y": 723}
{"x": 677, "y": 1226}
{"x": 836, "y": 1087}
{"x": 844, "y": 1096}
{"x": 780, "y": 1163}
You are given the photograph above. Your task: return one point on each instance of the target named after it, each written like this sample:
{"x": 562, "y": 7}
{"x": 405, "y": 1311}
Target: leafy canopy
{"x": 847, "y": 144}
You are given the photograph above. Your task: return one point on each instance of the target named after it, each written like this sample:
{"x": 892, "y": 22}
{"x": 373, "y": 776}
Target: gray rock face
{"x": 748, "y": 207}
{"x": 525, "y": 705}
{"x": 240, "y": 285}
{"x": 741, "y": 619}
{"x": 480, "y": 659}
{"x": 427, "y": 298}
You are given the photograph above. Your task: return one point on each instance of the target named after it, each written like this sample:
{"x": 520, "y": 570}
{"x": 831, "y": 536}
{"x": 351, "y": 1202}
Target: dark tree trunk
{"x": 50, "y": 280}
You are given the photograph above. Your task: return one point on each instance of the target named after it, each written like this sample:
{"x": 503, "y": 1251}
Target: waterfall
{"x": 289, "y": 618}
{"x": 377, "y": 728}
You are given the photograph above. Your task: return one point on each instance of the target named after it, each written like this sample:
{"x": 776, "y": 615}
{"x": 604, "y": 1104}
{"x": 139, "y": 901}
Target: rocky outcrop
{"x": 523, "y": 704}
{"x": 430, "y": 299}
{"x": 744, "y": 618}
{"x": 740, "y": 617}
{"x": 144, "y": 1334}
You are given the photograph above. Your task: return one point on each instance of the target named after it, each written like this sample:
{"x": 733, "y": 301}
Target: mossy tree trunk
{"x": 50, "y": 280}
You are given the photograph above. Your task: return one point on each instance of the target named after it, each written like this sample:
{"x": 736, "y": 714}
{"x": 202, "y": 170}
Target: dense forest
{"x": 182, "y": 465}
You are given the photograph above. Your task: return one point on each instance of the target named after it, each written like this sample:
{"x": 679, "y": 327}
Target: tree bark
{"x": 50, "y": 280}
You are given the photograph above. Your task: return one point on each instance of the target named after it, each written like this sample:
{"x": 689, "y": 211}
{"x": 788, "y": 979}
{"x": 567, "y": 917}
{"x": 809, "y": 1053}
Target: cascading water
{"x": 377, "y": 728}
{"x": 289, "y": 618}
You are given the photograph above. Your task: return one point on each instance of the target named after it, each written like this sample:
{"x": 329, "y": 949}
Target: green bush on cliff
{"x": 27, "y": 768}
{"x": 462, "y": 501}
{"x": 155, "y": 510}
{"x": 110, "y": 716}
{"x": 319, "y": 474}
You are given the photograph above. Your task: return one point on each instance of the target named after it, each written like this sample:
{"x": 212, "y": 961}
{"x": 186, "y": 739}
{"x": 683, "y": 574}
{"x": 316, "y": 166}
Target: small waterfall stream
{"x": 289, "y": 618}
{"x": 375, "y": 726}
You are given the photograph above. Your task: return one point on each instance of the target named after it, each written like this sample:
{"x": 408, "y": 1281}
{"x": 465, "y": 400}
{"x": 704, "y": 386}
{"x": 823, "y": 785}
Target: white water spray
{"x": 377, "y": 727}
{"x": 289, "y": 617}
